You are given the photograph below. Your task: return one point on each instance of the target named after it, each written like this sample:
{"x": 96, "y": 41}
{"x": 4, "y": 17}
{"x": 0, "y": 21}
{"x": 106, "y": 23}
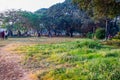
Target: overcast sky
{"x": 29, "y": 5}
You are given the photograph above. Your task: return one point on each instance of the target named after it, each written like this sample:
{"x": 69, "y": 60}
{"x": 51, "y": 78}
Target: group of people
{"x": 4, "y": 34}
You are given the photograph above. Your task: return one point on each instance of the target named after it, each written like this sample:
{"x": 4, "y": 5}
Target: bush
{"x": 90, "y": 44}
{"x": 117, "y": 36}
{"x": 100, "y": 33}
{"x": 90, "y": 35}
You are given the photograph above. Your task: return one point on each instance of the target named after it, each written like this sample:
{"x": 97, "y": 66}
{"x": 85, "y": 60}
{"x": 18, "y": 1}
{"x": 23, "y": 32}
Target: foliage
{"x": 117, "y": 36}
{"x": 20, "y": 20}
{"x": 90, "y": 35}
{"x": 70, "y": 19}
{"x": 62, "y": 16}
{"x": 100, "y": 33}
{"x": 100, "y": 8}
{"x": 82, "y": 59}
{"x": 32, "y": 19}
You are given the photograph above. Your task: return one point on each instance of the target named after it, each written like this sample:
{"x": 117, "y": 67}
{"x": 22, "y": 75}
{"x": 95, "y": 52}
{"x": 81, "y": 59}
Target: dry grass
{"x": 13, "y": 43}
{"x": 33, "y": 76}
{"x": 35, "y": 40}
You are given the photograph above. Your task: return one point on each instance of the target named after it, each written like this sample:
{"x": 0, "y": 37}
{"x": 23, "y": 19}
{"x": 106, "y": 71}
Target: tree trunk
{"x": 106, "y": 30}
{"x": 116, "y": 27}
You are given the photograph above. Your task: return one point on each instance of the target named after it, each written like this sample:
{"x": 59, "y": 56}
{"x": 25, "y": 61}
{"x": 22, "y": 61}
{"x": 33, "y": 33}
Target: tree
{"x": 68, "y": 20}
{"x": 63, "y": 18}
{"x": 100, "y": 33}
{"x": 21, "y": 20}
{"x": 31, "y": 18}
{"x": 106, "y": 9}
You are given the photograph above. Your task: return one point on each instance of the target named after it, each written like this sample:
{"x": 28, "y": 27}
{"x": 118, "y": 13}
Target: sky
{"x": 29, "y": 5}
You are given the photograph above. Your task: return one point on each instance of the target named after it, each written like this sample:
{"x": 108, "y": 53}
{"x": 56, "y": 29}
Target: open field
{"x": 11, "y": 64}
{"x": 35, "y": 40}
{"x": 67, "y": 58}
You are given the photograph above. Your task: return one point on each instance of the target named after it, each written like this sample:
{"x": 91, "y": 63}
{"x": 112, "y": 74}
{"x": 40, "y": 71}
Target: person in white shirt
{"x": 6, "y": 34}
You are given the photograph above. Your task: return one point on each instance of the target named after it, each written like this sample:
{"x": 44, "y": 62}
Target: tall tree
{"x": 106, "y": 9}
{"x": 21, "y": 20}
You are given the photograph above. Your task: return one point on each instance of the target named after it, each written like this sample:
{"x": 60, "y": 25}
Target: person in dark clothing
{"x": 39, "y": 34}
{"x": 49, "y": 34}
{"x": 19, "y": 33}
{"x": 3, "y": 34}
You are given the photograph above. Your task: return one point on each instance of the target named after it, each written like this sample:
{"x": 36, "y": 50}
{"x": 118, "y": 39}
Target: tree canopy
{"x": 100, "y": 8}
{"x": 20, "y": 19}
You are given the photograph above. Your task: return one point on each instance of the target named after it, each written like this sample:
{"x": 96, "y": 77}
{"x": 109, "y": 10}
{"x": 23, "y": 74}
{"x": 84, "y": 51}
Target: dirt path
{"x": 10, "y": 66}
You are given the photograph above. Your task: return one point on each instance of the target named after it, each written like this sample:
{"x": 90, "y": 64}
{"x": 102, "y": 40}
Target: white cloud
{"x": 30, "y": 5}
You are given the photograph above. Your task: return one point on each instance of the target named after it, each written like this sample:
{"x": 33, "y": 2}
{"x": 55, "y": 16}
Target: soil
{"x": 11, "y": 67}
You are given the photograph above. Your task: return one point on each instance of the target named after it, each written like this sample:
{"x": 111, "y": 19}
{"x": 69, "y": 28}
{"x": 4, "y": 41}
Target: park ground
{"x": 11, "y": 67}
{"x": 58, "y": 59}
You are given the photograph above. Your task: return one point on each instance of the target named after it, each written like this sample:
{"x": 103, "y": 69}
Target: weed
{"x": 88, "y": 60}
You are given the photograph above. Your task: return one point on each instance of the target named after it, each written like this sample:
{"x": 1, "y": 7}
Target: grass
{"x": 113, "y": 42}
{"x": 81, "y": 59}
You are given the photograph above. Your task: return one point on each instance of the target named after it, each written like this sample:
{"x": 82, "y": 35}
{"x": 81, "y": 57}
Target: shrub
{"x": 100, "y": 33}
{"x": 117, "y": 36}
{"x": 90, "y": 35}
{"x": 90, "y": 44}
{"x": 111, "y": 55}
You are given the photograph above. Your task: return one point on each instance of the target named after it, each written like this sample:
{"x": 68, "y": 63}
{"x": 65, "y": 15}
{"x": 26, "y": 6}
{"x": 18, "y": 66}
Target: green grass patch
{"x": 83, "y": 59}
